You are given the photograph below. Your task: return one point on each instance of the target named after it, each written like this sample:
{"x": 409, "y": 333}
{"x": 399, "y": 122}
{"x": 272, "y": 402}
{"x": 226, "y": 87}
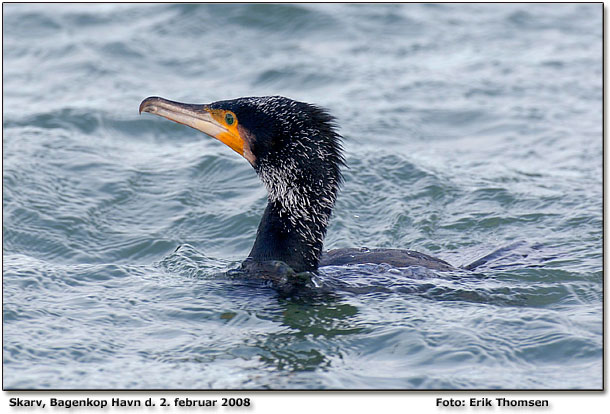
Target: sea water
{"x": 467, "y": 128}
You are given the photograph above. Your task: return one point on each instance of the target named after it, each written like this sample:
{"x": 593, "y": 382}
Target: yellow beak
{"x": 199, "y": 117}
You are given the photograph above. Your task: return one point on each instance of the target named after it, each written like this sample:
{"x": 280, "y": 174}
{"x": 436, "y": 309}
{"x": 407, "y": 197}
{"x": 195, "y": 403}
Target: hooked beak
{"x": 196, "y": 116}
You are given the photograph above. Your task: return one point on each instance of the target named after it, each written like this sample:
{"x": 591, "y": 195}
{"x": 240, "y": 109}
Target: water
{"x": 467, "y": 128}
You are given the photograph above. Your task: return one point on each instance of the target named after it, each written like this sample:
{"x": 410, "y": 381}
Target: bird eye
{"x": 229, "y": 119}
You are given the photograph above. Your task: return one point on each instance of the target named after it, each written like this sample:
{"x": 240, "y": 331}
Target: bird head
{"x": 292, "y": 145}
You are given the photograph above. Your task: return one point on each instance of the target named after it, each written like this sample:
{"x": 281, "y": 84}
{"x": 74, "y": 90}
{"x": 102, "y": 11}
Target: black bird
{"x": 296, "y": 151}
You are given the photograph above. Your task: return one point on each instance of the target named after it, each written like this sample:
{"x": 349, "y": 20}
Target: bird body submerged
{"x": 297, "y": 153}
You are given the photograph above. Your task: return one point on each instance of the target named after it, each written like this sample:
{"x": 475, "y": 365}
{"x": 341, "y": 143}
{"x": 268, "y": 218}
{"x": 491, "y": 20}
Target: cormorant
{"x": 296, "y": 151}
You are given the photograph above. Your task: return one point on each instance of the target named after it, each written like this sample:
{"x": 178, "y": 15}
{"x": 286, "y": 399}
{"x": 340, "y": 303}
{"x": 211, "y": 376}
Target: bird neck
{"x": 292, "y": 229}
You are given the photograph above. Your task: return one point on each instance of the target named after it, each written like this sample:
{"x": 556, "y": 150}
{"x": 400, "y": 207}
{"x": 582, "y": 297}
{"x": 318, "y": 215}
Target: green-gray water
{"x": 466, "y": 128}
